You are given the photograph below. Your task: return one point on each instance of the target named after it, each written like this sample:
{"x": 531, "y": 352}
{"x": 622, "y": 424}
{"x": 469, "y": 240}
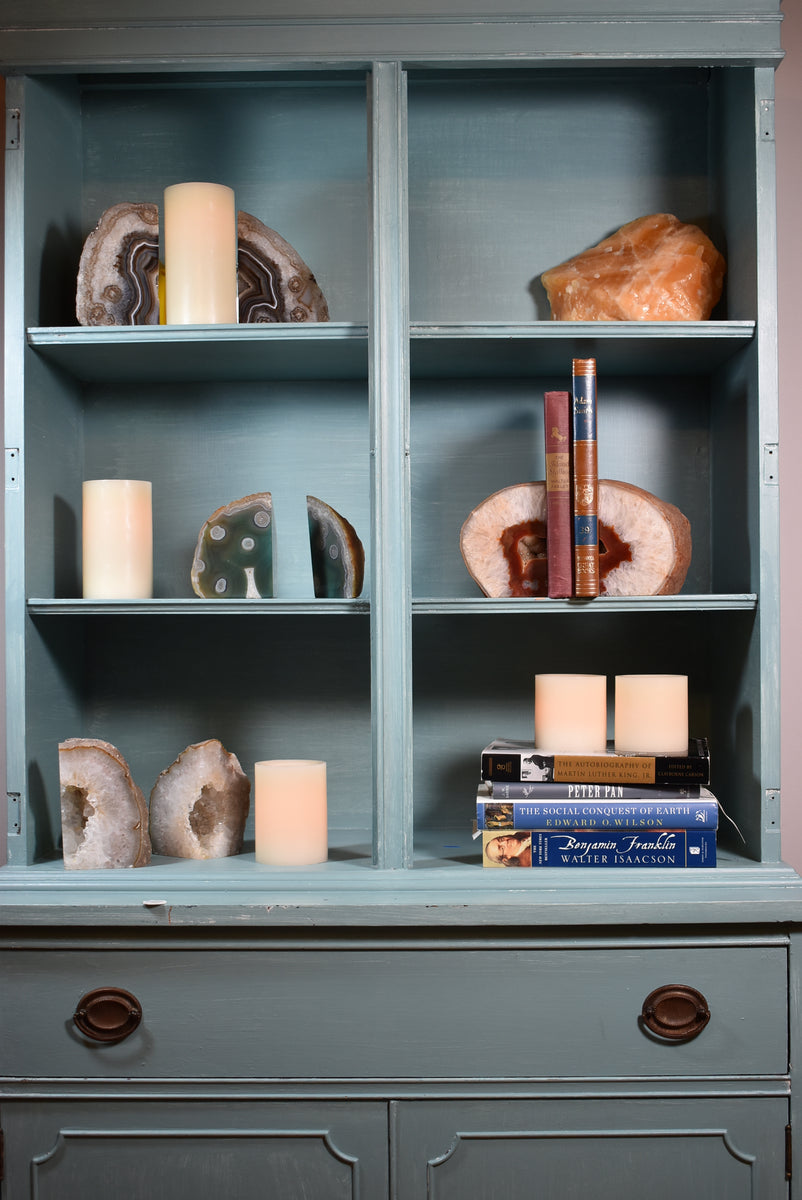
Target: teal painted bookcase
{"x": 373, "y": 1026}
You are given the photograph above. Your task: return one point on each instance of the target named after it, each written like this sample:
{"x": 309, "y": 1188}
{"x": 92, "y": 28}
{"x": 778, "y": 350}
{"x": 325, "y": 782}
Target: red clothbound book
{"x": 557, "y": 424}
{"x": 585, "y": 478}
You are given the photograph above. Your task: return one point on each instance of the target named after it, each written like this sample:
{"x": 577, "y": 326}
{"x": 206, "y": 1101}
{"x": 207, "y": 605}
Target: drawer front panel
{"x": 390, "y": 1013}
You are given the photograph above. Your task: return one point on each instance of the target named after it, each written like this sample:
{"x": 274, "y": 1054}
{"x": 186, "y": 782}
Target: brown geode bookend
{"x": 644, "y": 542}
{"x": 199, "y": 804}
{"x": 118, "y": 274}
{"x": 104, "y": 816}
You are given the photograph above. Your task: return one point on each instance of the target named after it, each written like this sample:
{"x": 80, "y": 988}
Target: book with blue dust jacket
{"x": 635, "y": 812}
{"x": 665, "y": 848}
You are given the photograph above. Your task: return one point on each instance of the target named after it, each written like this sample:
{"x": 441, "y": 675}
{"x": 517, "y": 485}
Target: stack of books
{"x": 538, "y": 809}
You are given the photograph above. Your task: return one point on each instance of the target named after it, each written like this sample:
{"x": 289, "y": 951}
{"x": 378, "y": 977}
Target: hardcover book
{"x": 638, "y": 812}
{"x": 557, "y": 425}
{"x": 500, "y": 789}
{"x": 667, "y": 848}
{"x": 585, "y": 482}
{"x": 514, "y": 761}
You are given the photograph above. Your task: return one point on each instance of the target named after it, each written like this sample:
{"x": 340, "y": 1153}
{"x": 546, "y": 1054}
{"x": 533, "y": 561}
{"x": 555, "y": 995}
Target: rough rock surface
{"x": 104, "y": 817}
{"x": 199, "y": 804}
{"x": 644, "y": 542}
{"x": 653, "y": 269}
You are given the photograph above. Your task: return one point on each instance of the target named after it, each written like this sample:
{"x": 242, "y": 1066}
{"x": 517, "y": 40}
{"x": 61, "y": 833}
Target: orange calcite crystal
{"x": 653, "y": 269}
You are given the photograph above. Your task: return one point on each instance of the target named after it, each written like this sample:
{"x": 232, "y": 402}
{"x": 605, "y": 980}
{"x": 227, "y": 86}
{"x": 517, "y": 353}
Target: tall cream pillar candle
{"x": 290, "y": 812}
{"x": 200, "y": 254}
{"x": 651, "y": 714}
{"x": 117, "y": 539}
{"x": 571, "y": 713}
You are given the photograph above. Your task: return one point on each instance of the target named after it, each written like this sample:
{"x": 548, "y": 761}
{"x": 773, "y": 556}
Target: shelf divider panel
{"x": 391, "y": 580}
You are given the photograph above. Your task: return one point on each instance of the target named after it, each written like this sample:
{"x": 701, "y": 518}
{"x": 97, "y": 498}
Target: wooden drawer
{"x": 394, "y": 1013}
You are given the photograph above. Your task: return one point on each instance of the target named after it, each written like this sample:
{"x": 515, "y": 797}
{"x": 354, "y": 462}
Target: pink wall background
{"x": 788, "y": 123}
{"x": 788, "y": 119}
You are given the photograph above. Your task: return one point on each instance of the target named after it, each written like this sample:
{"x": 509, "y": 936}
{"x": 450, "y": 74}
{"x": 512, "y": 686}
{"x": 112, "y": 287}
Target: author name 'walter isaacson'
{"x": 594, "y": 848}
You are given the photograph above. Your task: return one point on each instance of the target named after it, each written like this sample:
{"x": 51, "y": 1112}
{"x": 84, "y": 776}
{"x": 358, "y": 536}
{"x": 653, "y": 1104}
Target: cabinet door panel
{"x": 730, "y": 1149}
{"x": 182, "y": 1150}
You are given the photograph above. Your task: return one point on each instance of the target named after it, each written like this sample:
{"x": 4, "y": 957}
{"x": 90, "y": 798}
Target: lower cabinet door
{"x": 194, "y": 1150}
{"x": 600, "y": 1149}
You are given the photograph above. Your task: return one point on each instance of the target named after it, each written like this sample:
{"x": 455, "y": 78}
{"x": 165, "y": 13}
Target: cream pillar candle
{"x": 290, "y": 812}
{"x": 571, "y": 713}
{"x": 651, "y": 714}
{"x": 117, "y": 539}
{"x": 200, "y": 254}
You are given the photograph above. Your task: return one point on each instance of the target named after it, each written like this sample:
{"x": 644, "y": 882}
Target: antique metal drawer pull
{"x": 675, "y": 1012}
{"x": 107, "y": 1014}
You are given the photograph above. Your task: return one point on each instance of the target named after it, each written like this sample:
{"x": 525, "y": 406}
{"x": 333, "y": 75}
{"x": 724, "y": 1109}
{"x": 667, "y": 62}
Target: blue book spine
{"x": 666, "y": 848}
{"x": 701, "y": 813}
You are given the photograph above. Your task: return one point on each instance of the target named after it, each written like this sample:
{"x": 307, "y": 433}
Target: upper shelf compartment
{"x": 292, "y": 145}
{"x": 511, "y": 173}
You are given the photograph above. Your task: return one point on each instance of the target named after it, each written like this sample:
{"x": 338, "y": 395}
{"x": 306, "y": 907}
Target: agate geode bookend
{"x": 338, "y": 556}
{"x": 104, "y": 817}
{"x": 234, "y": 554}
{"x": 118, "y": 275}
{"x": 199, "y": 804}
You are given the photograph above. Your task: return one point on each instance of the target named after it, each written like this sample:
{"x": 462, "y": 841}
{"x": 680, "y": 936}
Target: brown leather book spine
{"x": 559, "y": 554}
{"x": 585, "y": 478}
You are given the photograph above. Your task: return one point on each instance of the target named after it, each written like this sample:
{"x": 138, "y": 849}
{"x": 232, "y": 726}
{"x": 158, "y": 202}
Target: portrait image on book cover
{"x": 513, "y": 849}
{"x": 539, "y": 766}
{"x": 498, "y": 816}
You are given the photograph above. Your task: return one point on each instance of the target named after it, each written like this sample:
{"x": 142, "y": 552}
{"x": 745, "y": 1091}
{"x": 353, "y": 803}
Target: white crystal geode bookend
{"x": 199, "y": 804}
{"x": 104, "y": 817}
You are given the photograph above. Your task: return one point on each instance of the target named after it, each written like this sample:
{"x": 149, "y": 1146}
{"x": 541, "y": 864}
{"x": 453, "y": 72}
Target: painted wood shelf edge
{"x": 246, "y": 894}
{"x": 736, "y": 602}
{"x": 197, "y": 607}
{"x": 424, "y": 606}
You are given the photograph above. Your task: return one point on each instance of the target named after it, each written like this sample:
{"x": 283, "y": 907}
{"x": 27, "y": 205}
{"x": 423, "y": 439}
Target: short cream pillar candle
{"x": 651, "y": 714}
{"x": 117, "y": 539}
{"x": 200, "y": 254}
{"x": 290, "y": 812}
{"x": 571, "y": 713}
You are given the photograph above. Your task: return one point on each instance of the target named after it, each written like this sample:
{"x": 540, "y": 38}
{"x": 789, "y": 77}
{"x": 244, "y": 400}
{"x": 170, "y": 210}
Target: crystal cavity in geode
{"x": 338, "y": 556}
{"x": 199, "y": 804}
{"x": 104, "y": 817}
{"x": 118, "y": 274}
{"x": 234, "y": 553}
